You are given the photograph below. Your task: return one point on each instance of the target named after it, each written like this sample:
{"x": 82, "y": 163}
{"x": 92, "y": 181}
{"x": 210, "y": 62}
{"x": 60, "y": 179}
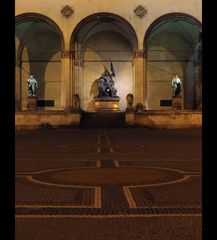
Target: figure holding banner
{"x": 106, "y": 83}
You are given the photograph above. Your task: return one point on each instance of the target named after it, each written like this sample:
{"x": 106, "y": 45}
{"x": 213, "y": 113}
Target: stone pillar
{"x": 139, "y": 77}
{"x": 145, "y": 81}
{"x": 17, "y": 88}
{"x": 198, "y": 86}
{"x": 66, "y": 83}
{"x": 77, "y": 64}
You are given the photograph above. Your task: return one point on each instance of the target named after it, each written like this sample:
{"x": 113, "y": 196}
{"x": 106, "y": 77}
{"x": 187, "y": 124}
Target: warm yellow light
{"x": 115, "y": 106}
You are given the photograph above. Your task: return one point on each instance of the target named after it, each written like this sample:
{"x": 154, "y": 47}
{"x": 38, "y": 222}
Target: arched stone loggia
{"x": 24, "y": 33}
{"x": 173, "y": 27}
{"x": 83, "y": 36}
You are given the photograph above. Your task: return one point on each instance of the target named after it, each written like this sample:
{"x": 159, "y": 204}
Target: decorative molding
{"x": 140, "y": 11}
{"x": 139, "y": 54}
{"x": 78, "y": 63}
{"x": 67, "y": 54}
{"x": 67, "y": 11}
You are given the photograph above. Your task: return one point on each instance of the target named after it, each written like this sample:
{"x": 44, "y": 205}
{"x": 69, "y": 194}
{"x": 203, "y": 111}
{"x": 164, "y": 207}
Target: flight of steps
{"x": 102, "y": 120}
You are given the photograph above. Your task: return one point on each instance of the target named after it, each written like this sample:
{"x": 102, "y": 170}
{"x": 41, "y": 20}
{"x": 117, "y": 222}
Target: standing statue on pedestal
{"x": 32, "y": 85}
{"x": 176, "y": 84}
{"x": 106, "y": 84}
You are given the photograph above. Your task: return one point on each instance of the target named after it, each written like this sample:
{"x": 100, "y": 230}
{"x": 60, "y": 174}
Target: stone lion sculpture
{"x": 130, "y": 99}
{"x": 139, "y": 108}
{"x": 76, "y": 101}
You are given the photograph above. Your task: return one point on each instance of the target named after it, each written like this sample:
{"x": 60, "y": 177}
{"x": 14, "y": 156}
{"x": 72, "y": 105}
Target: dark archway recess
{"x": 94, "y": 40}
{"x": 122, "y": 26}
{"x": 40, "y": 17}
{"x": 38, "y": 53}
{"x": 173, "y": 45}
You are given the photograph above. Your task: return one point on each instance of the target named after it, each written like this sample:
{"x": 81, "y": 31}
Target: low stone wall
{"x": 165, "y": 119}
{"x": 36, "y": 120}
{"x": 150, "y": 118}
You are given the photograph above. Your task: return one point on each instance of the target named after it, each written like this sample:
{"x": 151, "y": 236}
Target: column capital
{"x": 67, "y": 54}
{"x": 78, "y": 63}
{"x": 139, "y": 53}
{"x": 197, "y": 63}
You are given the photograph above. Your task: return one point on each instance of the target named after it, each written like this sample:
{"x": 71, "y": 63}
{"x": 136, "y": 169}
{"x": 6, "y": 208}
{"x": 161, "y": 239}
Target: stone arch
{"x": 25, "y": 16}
{"x": 168, "y": 16}
{"x": 170, "y": 43}
{"x": 101, "y": 15}
{"x": 39, "y": 51}
{"x": 96, "y": 38}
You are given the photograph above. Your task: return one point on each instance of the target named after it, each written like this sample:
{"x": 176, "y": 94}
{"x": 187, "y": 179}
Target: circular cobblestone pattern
{"x": 114, "y": 176}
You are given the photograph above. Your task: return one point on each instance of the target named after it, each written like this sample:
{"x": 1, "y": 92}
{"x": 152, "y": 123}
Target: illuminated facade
{"x": 64, "y": 43}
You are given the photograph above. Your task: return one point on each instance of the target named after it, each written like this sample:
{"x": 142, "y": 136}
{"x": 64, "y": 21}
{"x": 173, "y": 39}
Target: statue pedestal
{"x": 177, "y": 102}
{"x": 31, "y": 103}
{"x": 129, "y": 117}
{"x": 107, "y": 104}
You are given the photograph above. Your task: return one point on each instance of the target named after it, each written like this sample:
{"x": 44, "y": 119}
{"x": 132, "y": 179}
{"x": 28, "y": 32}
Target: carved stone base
{"x": 129, "y": 118}
{"x": 31, "y": 103}
{"x": 107, "y": 104}
{"x": 177, "y": 102}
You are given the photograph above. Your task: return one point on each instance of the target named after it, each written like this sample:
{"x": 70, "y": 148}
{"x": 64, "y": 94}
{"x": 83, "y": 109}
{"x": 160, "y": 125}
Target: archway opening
{"x": 38, "y": 53}
{"x": 173, "y": 45}
{"x": 97, "y": 39}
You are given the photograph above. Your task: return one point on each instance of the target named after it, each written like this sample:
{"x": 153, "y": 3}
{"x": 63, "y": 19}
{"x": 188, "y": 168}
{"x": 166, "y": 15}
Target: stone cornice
{"x": 67, "y": 54}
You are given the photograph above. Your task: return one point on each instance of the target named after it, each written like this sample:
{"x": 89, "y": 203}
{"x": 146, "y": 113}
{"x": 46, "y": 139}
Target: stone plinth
{"x": 31, "y": 103}
{"x": 107, "y": 104}
{"x": 167, "y": 119}
{"x": 177, "y": 102}
{"x": 37, "y": 119}
{"x": 129, "y": 117}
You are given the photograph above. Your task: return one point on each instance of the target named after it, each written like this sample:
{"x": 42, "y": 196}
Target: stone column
{"x": 198, "y": 86}
{"x": 77, "y": 71}
{"x": 140, "y": 85}
{"x": 145, "y": 80}
{"x": 198, "y": 75}
{"x": 17, "y": 88}
{"x": 66, "y": 76}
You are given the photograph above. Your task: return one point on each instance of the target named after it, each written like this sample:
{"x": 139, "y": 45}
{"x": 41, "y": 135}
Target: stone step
{"x": 102, "y": 120}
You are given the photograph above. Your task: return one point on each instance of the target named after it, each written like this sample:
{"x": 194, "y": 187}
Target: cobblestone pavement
{"x": 118, "y": 183}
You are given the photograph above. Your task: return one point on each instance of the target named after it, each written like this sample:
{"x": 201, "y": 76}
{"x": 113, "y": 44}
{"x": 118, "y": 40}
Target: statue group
{"x": 106, "y": 84}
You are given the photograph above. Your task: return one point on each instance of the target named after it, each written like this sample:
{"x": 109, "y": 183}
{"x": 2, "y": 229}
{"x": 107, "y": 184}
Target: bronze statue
{"x": 32, "y": 85}
{"x": 106, "y": 84}
{"x": 176, "y": 84}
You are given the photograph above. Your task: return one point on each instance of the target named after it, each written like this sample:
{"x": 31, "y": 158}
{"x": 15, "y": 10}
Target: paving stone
{"x": 165, "y": 212}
